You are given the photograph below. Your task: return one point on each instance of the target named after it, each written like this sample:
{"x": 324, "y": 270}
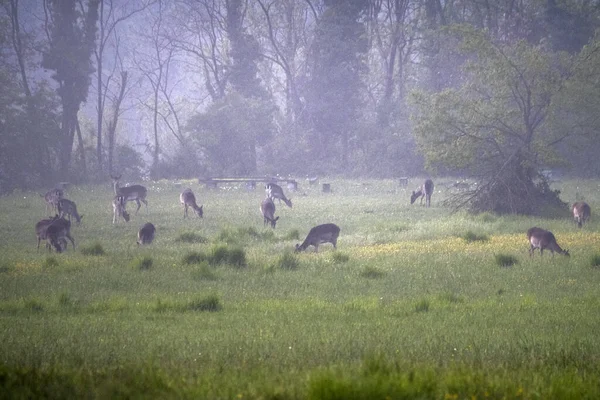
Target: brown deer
{"x": 275, "y": 191}
{"x": 326, "y": 233}
{"x": 52, "y": 197}
{"x": 56, "y": 233}
{"x": 426, "y": 190}
{"x": 542, "y": 239}
{"x": 188, "y": 199}
{"x": 68, "y": 208}
{"x": 581, "y": 213}
{"x": 118, "y": 204}
{"x": 267, "y": 208}
{"x": 146, "y": 234}
{"x": 41, "y": 227}
{"x": 135, "y": 193}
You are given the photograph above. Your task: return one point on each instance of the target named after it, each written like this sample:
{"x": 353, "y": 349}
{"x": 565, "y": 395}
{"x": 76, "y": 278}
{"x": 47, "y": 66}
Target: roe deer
{"x": 267, "y": 208}
{"x": 52, "y": 197}
{"x": 68, "y": 208}
{"x": 326, "y": 233}
{"x": 426, "y": 190}
{"x": 146, "y": 234}
{"x": 118, "y": 204}
{"x": 56, "y": 233}
{"x": 188, "y": 199}
{"x": 581, "y": 213}
{"x": 275, "y": 191}
{"x": 41, "y": 227}
{"x": 135, "y": 193}
{"x": 542, "y": 239}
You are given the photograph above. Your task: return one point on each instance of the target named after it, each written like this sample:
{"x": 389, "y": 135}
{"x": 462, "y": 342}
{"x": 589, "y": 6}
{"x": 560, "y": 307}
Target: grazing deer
{"x": 275, "y": 191}
{"x": 118, "y": 204}
{"x": 581, "y": 212}
{"x": 56, "y": 233}
{"x": 542, "y": 239}
{"x": 146, "y": 234}
{"x": 188, "y": 199}
{"x": 52, "y": 197}
{"x": 426, "y": 190}
{"x": 68, "y": 208}
{"x": 41, "y": 227}
{"x": 267, "y": 208}
{"x": 135, "y": 193}
{"x": 326, "y": 233}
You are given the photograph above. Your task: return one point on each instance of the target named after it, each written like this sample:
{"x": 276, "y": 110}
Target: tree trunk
{"x": 81, "y": 148}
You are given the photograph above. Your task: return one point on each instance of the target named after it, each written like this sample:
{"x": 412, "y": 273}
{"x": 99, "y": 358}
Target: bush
{"x": 50, "y": 262}
{"x": 338, "y": 257}
{"x": 204, "y": 272}
{"x": 94, "y": 249}
{"x": 595, "y": 261}
{"x": 422, "y": 306}
{"x": 218, "y": 255}
{"x": 236, "y": 257}
{"x": 194, "y": 257}
{"x": 506, "y": 260}
{"x": 294, "y": 234}
{"x": 190, "y": 237}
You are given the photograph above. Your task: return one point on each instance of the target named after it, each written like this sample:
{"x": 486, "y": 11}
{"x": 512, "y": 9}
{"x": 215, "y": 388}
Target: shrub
{"x": 194, "y": 257}
{"x": 218, "y": 255}
{"x": 64, "y": 300}
{"x": 422, "y": 306}
{"x": 94, "y": 249}
{"x": 471, "y": 236}
{"x": 372, "y": 272}
{"x": 288, "y": 261}
{"x": 506, "y": 260}
{"x": 208, "y": 303}
{"x": 595, "y": 261}
{"x": 190, "y": 237}
{"x": 5, "y": 267}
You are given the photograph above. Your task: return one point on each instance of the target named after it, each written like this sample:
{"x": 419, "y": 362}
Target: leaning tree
{"x": 500, "y": 123}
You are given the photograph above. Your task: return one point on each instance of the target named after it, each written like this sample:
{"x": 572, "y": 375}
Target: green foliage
{"x": 204, "y": 272}
{"x": 194, "y": 257}
{"x": 191, "y": 237}
{"x": 422, "y": 305}
{"x": 94, "y": 249}
{"x": 288, "y": 261}
{"x": 595, "y": 261}
{"x": 372, "y": 272}
{"x": 505, "y": 260}
{"x": 50, "y": 262}
{"x": 293, "y": 234}
{"x": 471, "y": 236}
{"x": 209, "y": 303}
{"x": 143, "y": 263}
{"x": 339, "y": 258}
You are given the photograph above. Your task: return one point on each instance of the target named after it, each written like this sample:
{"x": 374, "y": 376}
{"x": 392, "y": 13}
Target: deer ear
{"x": 276, "y": 218}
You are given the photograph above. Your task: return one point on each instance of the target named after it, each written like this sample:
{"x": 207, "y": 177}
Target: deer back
{"x": 267, "y": 208}
{"x": 581, "y": 212}
{"x": 326, "y": 233}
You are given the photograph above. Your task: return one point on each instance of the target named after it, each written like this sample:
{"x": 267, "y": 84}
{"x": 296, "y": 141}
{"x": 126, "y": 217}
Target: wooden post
{"x": 403, "y": 181}
{"x": 326, "y": 188}
{"x": 292, "y": 186}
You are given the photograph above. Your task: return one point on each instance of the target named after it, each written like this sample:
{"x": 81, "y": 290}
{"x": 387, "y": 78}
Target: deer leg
{"x": 185, "y": 207}
{"x": 138, "y": 204}
{"x": 145, "y": 203}
{"x": 71, "y": 239}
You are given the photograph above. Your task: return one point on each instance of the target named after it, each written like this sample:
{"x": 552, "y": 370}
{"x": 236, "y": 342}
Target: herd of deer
{"x": 56, "y": 230}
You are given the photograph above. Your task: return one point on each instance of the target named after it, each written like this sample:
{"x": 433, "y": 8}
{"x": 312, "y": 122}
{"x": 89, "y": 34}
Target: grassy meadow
{"x": 415, "y": 303}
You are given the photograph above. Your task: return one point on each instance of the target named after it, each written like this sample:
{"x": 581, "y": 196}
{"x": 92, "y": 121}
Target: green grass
{"x": 223, "y": 308}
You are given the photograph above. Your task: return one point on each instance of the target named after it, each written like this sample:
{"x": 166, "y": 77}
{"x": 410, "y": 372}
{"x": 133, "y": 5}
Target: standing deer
{"x": 68, "y": 208}
{"x": 326, "y": 233}
{"x": 542, "y": 239}
{"x": 135, "y": 193}
{"x": 188, "y": 199}
{"x": 118, "y": 204}
{"x": 52, "y": 197}
{"x": 146, "y": 234}
{"x": 581, "y": 213}
{"x": 267, "y": 208}
{"x": 426, "y": 190}
{"x": 275, "y": 191}
{"x": 56, "y": 233}
{"x": 41, "y": 227}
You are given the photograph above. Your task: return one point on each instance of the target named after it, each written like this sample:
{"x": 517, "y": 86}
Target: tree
{"x": 333, "y": 91}
{"x": 497, "y": 125}
{"x": 71, "y": 43}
